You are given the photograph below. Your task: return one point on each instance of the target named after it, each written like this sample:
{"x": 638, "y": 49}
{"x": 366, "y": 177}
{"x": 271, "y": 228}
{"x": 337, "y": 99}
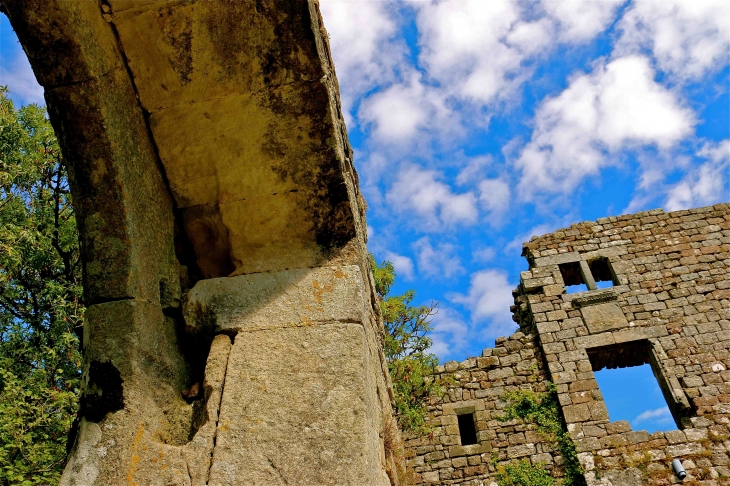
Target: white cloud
{"x": 483, "y": 254}
{"x": 18, "y": 76}
{"x": 495, "y": 197}
{"x": 409, "y": 113}
{"x": 706, "y": 183}
{"x": 617, "y": 106}
{"x": 450, "y": 334}
{"x": 370, "y": 231}
{"x": 659, "y": 414}
{"x": 364, "y": 45}
{"x": 480, "y": 49}
{"x": 581, "y": 20}
{"x": 473, "y": 169}
{"x": 439, "y": 261}
{"x": 421, "y": 191}
{"x": 464, "y": 45}
{"x": 402, "y": 264}
{"x": 489, "y": 298}
{"x": 687, "y": 38}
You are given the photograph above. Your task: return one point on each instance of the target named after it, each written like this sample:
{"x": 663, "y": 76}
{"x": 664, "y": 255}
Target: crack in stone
{"x": 276, "y": 469}
{"x": 218, "y": 415}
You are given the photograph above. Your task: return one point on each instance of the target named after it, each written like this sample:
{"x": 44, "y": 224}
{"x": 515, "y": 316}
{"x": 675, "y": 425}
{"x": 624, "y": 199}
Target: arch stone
{"x": 232, "y": 334}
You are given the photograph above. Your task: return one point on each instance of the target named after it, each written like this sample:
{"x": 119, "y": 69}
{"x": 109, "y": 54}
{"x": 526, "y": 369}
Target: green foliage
{"x": 543, "y": 410}
{"x": 40, "y": 299}
{"x": 406, "y": 349}
{"x": 522, "y": 473}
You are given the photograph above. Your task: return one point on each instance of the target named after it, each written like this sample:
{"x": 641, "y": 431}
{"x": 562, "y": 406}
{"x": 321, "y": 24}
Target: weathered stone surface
{"x": 198, "y": 452}
{"x": 201, "y": 149}
{"x": 284, "y": 409}
{"x": 604, "y": 317}
{"x": 276, "y": 194}
{"x": 277, "y": 299}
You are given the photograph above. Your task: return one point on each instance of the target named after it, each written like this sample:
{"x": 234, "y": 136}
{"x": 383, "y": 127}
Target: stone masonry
{"x": 232, "y": 333}
{"x": 664, "y": 301}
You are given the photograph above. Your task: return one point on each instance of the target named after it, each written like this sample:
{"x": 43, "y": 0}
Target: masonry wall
{"x": 668, "y": 306}
{"x": 478, "y": 384}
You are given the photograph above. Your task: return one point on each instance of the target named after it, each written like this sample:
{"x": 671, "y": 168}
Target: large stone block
{"x": 277, "y": 299}
{"x": 604, "y": 317}
{"x": 295, "y": 398}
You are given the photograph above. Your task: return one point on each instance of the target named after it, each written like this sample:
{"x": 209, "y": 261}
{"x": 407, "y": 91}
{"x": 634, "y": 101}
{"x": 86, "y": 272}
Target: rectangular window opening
{"x": 572, "y": 277}
{"x": 602, "y": 274}
{"x": 467, "y": 430}
{"x": 632, "y": 388}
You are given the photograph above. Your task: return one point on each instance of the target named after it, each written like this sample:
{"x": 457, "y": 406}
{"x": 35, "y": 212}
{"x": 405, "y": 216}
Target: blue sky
{"x": 477, "y": 124}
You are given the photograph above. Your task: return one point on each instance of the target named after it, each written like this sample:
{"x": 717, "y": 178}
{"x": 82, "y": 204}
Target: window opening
{"x": 572, "y": 277}
{"x": 631, "y": 387}
{"x": 601, "y": 271}
{"x": 467, "y": 430}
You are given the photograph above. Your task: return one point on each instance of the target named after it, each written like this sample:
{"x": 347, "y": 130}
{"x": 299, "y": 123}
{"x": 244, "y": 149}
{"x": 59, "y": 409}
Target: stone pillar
{"x": 232, "y": 332}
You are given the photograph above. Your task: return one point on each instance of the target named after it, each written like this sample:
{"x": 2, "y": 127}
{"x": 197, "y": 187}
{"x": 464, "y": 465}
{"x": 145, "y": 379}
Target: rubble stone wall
{"x": 667, "y": 304}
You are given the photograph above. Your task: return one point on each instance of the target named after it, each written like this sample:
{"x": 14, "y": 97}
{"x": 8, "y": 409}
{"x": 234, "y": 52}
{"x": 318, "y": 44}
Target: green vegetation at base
{"x": 522, "y": 473}
{"x": 542, "y": 409}
{"x": 40, "y": 300}
{"x": 410, "y": 364}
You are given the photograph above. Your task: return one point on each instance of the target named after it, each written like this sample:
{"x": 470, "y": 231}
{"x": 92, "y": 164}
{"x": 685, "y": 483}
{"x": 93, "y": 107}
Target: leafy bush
{"x": 543, "y": 410}
{"x": 522, "y": 473}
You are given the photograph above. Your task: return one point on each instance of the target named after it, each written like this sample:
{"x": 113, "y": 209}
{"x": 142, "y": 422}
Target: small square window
{"x": 601, "y": 271}
{"x": 467, "y": 430}
{"x": 572, "y": 277}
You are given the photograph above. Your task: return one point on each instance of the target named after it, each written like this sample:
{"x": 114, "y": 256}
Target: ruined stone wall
{"x": 476, "y": 385}
{"x": 668, "y": 305}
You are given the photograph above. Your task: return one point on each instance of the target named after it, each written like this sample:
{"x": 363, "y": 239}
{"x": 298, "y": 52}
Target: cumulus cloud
{"x": 659, "y": 414}
{"x": 437, "y": 261}
{"x": 464, "y": 45}
{"x": 402, "y": 264}
{"x": 582, "y": 20}
{"x": 473, "y": 169}
{"x": 421, "y": 191}
{"x": 706, "y": 183}
{"x": 488, "y": 299}
{"x": 480, "y": 49}
{"x": 483, "y": 254}
{"x": 450, "y": 334}
{"x": 687, "y": 38}
{"x": 617, "y": 106}
{"x": 409, "y": 113}
{"x": 495, "y": 197}
{"x": 18, "y": 76}
{"x": 364, "y": 43}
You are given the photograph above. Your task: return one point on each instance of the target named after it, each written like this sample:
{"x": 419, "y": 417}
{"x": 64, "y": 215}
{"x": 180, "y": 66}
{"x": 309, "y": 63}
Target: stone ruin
{"x": 667, "y": 305}
{"x": 232, "y": 333}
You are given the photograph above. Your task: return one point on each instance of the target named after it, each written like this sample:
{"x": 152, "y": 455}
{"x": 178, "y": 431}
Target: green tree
{"x": 407, "y": 343}
{"x": 40, "y": 299}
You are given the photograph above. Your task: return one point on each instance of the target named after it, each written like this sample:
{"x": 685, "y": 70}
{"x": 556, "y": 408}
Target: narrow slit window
{"x": 572, "y": 278}
{"x": 601, "y": 271}
{"x": 467, "y": 430}
{"x": 631, "y": 387}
